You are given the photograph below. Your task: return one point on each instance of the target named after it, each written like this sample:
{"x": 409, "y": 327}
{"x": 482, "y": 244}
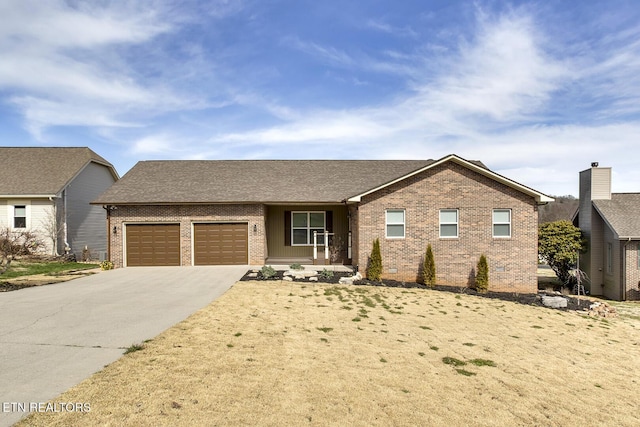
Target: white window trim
{"x": 494, "y": 223}
{"x": 308, "y": 227}
{"x": 441, "y": 223}
{"x": 403, "y": 223}
{"x": 26, "y": 216}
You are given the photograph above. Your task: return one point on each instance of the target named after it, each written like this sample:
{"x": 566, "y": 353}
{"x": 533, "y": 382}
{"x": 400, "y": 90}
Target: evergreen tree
{"x": 429, "y": 268}
{"x": 482, "y": 275}
{"x": 374, "y": 272}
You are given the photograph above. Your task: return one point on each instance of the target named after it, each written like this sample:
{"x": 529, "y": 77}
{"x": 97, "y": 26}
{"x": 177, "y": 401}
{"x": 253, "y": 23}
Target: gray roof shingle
{"x": 622, "y": 213}
{"x": 42, "y": 170}
{"x": 253, "y": 181}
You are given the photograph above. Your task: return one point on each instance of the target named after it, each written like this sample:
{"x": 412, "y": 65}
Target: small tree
{"x": 374, "y": 272}
{"x": 559, "y": 243}
{"x": 14, "y": 243}
{"x": 429, "y": 268}
{"x": 482, "y": 275}
{"x": 53, "y": 227}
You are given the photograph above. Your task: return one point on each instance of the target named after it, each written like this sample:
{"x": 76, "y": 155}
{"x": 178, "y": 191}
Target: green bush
{"x": 325, "y": 274}
{"x": 268, "y": 272}
{"x": 296, "y": 266}
{"x": 106, "y": 265}
{"x": 374, "y": 272}
{"x": 482, "y": 275}
{"x": 429, "y": 268}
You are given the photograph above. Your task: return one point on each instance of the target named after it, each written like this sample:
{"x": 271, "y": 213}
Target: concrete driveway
{"x": 54, "y": 336}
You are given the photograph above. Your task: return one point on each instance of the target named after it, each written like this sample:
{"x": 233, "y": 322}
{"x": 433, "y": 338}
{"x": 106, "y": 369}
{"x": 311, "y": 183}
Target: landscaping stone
{"x": 252, "y": 274}
{"x": 554, "y": 301}
{"x": 601, "y": 309}
{"x": 350, "y": 280}
{"x": 288, "y": 278}
{"x": 313, "y": 279}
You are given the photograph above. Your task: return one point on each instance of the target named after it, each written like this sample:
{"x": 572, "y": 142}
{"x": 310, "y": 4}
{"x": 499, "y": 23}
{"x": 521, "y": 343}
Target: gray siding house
{"x": 611, "y": 225}
{"x": 48, "y": 189}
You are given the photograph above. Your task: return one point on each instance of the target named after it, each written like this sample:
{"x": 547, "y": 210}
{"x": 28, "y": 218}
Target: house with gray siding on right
{"x": 47, "y": 190}
{"x": 611, "y": 225}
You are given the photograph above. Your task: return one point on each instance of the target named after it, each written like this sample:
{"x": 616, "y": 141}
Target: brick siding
{"x": 186, "y": 215}
{"x": 512, "y": 261}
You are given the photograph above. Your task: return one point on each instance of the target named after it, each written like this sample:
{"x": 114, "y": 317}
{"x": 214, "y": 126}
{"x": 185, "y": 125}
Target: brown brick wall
{"x": 512, "y": 261}
{"x": 185, "y": 215}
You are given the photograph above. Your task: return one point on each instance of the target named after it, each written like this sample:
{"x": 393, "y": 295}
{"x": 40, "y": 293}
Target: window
{"x": 303, "y": 224}
{"x": 395, "y": 223}
{"x": 609, "y": 258}
{"x": 449, "y": 223}
{"x": 20, "y": 216}
{"x": 502, "y": 223}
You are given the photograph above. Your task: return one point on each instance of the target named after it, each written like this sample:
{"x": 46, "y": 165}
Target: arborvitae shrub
{"x": 429, "y": 268}
{"x": 482, "y": 275}
{"x": 374, "y": 272}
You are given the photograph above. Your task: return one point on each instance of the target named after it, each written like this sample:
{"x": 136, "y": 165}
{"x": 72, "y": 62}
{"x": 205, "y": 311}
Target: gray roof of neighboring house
{"x": 253, "y": 181}
{"x": 621, "y": 213}
{"x": 43, "y": 170}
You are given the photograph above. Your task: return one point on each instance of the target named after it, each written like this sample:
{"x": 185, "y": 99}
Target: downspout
{"x": 623, "y": 284}
{"x": 67, "y": 248}
{"x": 55, "y": 224}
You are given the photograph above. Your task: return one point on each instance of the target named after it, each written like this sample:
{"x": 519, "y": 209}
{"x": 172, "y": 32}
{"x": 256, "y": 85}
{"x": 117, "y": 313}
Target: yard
{"x": 26, "y": 273}
{"x": 283, "y": 353}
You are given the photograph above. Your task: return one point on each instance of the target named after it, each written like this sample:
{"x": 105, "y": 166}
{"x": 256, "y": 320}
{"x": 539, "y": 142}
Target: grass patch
{"x": 133, "y": 348}
{"x": 325, "y": 330}
{"x": 425, "y": 327}
{"x": 465, "y": 372}
{"x": 483, "y": 362}
{"x": 19, "y": 269}
{"x": 453, "y": 361}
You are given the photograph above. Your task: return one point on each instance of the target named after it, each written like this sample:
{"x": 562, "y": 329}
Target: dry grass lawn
{"x": 283, "y": 353}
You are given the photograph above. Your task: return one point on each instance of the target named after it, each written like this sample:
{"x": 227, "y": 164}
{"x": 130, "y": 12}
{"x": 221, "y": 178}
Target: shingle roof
{"x": 42, "y": 170}
{"x": 253, "y": 181}
{"x": 621, "y": 213}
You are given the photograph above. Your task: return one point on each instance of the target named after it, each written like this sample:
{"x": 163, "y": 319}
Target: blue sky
{"x": 536, "y": 90}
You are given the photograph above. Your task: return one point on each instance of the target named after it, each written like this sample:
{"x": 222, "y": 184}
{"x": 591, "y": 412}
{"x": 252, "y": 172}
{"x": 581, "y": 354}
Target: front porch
{"x": 308, "y": 235}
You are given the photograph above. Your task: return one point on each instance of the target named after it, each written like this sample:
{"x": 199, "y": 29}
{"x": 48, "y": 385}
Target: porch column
{"x": 349, "y": 246}
{"x": 326, "y": 248}
{"x": 315, "y": 247}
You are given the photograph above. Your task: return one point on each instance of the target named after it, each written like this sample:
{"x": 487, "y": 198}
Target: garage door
{"x": 153, "y": 244}
{"x": 220, "y": 244}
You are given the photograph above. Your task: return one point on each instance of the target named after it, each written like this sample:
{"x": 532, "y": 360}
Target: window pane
{"x": 395, "y": 217}
{"x": 501, "y": 216}
{"x": 395, "y": 230}
{"x": 448, "y": 230}
{"x": 502, "y": 230}
{"x": 300, "y": 219}
{"x": 448, "y": 216}
{"x": 20, "y": 211}
{"x": 320, "y": 236}
{"x": 316, "y": 219}
{"x": 20, "y": 222}
{"x": 300, "y": 237}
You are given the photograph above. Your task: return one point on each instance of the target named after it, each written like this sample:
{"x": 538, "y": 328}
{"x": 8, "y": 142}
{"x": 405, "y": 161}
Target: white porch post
{"x": 315, "y": 247}
{"x": 349, "y": 247}
{"x": 326, "y": 247}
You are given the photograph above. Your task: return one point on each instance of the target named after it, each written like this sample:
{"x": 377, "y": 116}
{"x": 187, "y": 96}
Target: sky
{"x": 535, "y": 90}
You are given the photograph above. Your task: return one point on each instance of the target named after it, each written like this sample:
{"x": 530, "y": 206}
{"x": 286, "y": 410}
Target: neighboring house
{"x": 47, "y": 190}
{"x": 266, "y": 211}
{"x": 611, "y": 225}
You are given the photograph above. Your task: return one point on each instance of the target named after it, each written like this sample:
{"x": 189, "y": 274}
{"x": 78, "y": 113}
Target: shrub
{"x": 325, "y": 274}
{"x": 559, "y": 243}
{"x": 268, "y": 272}
{"x": 482, "y": 275}
{"x": 296, "y": 266}
{"x": 429, "y": 268}
{"x": 106, "y": 265}
{"x": 374, "y": 270}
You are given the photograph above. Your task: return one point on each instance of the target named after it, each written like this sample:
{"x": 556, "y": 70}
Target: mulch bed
{"x": 573, "y": 303}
